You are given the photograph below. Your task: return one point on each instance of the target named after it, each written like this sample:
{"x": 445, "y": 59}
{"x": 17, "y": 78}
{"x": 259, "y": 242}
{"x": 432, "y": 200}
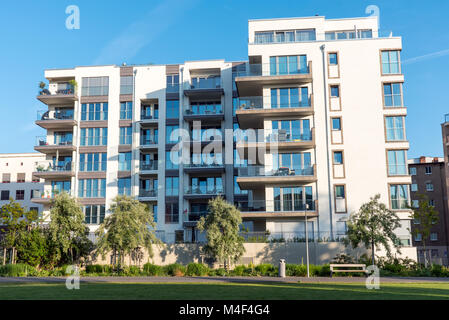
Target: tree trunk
{"x": 4, "y": 256}
{"x": 425, "y": 253}
{"x": 372, "y": 253}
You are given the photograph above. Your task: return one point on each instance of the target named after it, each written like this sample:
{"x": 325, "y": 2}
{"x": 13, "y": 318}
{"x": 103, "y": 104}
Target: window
{"x": 126, "y": 110}
{"x": 124, "y": 186}
{"x": 35, "y": 209}
{"x": 94, "y": 136}
{"x": 171, "y": 186}
{"x": 20, "y": 177}
{"x": 173, "y": 83}
{"x": 333, "y": 59}
{"x": 92, "y": 162}
{"x": 418, "y": 237}
{"x": 293, "y": 198}
{"x": 290, "y": 97}
{"x": 282, "y": 65}
{"x": 60, "y": 186}
{"x": 399, "y": 196}
{"x": 6, "y": 177}
{"x": 126, "y": 136}
{"x": 336, "y": 124}
{"x": 340, "y": 192}
{"x": 149, "y": 136}
{"x": 172, "y": 109}
{"x": 126, "y": 85}
{"x": 338, "y": 157}
{"x": 429, "y": 186}
{"x": 428, "y": 170}
{"x": 239, "y": 162}
{"x": 237, "y": 189}
{"x": 432, "y": 203}
{"x": 154, "y": 210}
{"x": 92, "y": 188}
{"x": 415, "y": 203}
{"x": 20, "y": 194}
{"x": 413, "y": 171}
{"x": 341, "y": 228}
{"x": 171, "y": 213}
{"x": 206, "y": 185}
{"x": 288, "y": 130}
{"x": 434, "y": 236}
{"x": 335, "y": 91}
{"x": 390, "y": 62}
{"x": 149, "y": 111}
{"x": 397, "y": 162}
{"x": 63, "y": 138}
{"x": 414, "y": 187}
{"x": 284, "y": 36}
{"x": 124, "y": 161}
{"x": 94, "y": 111}
{"x": 393, "y": 95}
{"x": 348, "y": 35}
{"x": 169, "y": 164}
{"x": 395, "y": 128}
{"x": 170, "y": 130}
{"x": 210, "y": 107}
{"x": 35, "y": 193}
{"x": 5, "y": 195}
{"x": 94, "y": 214}
{"x": 95, "y": 86}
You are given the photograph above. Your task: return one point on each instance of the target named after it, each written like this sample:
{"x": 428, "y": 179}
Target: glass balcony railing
{"x": 261, "y": 171}
{"x": 276, "y": 205}
{"x": 206, "y": 109}
{"x": 146, "y": 116}
{"x": 207, "y": 83}
{"x": 283, "y": 136}
{"x": 145, "y": 141}
{"x": 217, "y": 164}
{"x": 59, "y": 141}
{"x": 273, "y": 69}
{"x": 148, "y": 193}
{"x": 63, "y": 89}
{"x": 446, "y": 118}
{"x": 57, "y": 115}
{"x": 61, "y": 166}
{"x": 199, "y": 190}
{"x": 173, "y": 88}
{"x": 273, "y": 102}
{"x": 147, "y": 166}
{"x": 196, "y": 215}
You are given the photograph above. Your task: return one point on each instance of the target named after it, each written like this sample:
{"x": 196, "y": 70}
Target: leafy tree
{"x": 16, "y": 221}
{"x": 427, "y": 216}
{"x": 222, "y": 226}
{"x": 129, "y": 226}
{"x": 32, "y": 247}
{"x": 67, "y": 229}
{"x": 373, "y": 226}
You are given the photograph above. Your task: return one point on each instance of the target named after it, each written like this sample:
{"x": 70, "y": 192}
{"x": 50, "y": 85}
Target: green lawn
{"x": 229, "y": 291}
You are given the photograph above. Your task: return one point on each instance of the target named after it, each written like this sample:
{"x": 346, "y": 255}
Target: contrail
{"x": 426, "y": 57}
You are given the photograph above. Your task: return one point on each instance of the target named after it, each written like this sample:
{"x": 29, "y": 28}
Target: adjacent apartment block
{"x": 319, "y": 102}
{"x": 19, "y": 181}
{"x": 429, "y": 179}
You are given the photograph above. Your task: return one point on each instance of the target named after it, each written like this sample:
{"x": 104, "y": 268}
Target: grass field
{"x": 231, "y": 291}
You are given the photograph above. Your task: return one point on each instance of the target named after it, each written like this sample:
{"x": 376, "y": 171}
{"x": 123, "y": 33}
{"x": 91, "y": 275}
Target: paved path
{"x": 221, "y": 280}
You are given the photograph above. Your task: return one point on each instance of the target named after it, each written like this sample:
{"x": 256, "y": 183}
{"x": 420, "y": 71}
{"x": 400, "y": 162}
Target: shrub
{"x": 295, "y": 270}
{"x": 197, "y": 269}
{"x": 132, "y": 271}
{"x": 239, "y": 270}
{"x": 266, "y": 269}
{"x": 175, "y": 270}
{"x": 17, "y": 270}
{"x": 221, "y": 272}
{"x": 153, "y": 270}
{"x": 97, "y": 268}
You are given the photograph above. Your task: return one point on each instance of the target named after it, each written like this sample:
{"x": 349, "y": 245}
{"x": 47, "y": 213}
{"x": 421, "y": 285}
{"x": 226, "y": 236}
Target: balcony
{"x": 148, "y": 195}
{"x": 55, "y": 119}
{"x": 147, "y": 120}
{"x": 251, "y": 111}
{"x": 46, "y": 197}
{"x": 54, "y": 171}
{"x": 278, "y": 208}
{"x": 195, "y": 216}
{"x": 149, "y": 168}
{"x": 63, "y": 95}
{"x": 205, "y": 88}
{"x": 203, "y": 192}
{"x": 258, "y": 176}
{"x": 204, "y": 112}
{"x": 251, "y": 82}
{"x": 210, "y": 167}
{"x": 148, "y": 143}
{"x": 61, "y": 145}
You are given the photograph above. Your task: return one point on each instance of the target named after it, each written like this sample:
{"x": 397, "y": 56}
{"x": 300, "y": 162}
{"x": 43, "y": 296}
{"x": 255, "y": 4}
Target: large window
{"x": 126, "y": 110}
{"x": 399, "y": 196}
{"x": 95, "y": 86}
{"x": 94, "y": 111}
{"x": 171, "y": 186}
{"x": 94, "y": 137}
{"x": 237, "y": 189}
{"x": 93, "y": 162}
{"x": 63, "y": 138}
{"x": 395, "y": 128}
{"x": 173, "y": 83}
{"x": 60, "y": 186}
{"x": 346, "y": 35}
{"x": 124, "y": 161}
{"x": 149, "y": 136}
{"x": 397, "y": 162}
{"x": 393, "y": 95}
{"x": 168, "y": 134}
{"x": 282, "y": 65}
{"x": 290, "y": 97}
{"x": 294, "y": 161}
{"x": 206, "y": 185}
{"x": 284, "y": 36}
{"x": 204, "y": 108}
{"x": 94, "y": 214}
{"x": 172, "y": 109}
{"x": 391, "y": 62}
{"x": 292, "y": 129}
{"x": 126, "y": 136}
{"x": 293, "y": 198}
{"x": 124, "y": 186}
{"x": 126, "y": 85}
{"x": 172, "y": 212}
{"x": 92, "y": 188}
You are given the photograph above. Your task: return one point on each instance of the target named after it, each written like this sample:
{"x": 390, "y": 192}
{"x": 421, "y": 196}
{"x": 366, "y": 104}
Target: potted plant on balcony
{"x": 74, "y": 85}
{"x": 40, "y": 168}
{"x": 43, "y": 90}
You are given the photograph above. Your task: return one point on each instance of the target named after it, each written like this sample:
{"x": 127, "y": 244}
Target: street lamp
{"x": 307, "y": 242}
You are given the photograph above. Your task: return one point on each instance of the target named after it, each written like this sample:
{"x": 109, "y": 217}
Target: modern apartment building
{"x": 324, "y": 98}
{"x": 19, "y": 181}
{"x": 429, "y": 179}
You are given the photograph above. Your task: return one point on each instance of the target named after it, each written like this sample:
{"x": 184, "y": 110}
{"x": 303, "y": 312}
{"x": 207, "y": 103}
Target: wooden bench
{"x": 352, "y": 268}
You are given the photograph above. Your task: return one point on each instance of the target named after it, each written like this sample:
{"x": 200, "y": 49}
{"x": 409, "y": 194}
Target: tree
{"x": 222, "y": 226}
{"x": 67, "y": 229}
{"x": 16, "y": 221}
{"x": 373, "y": 226}
{"x": 129, "y": 227}
{"x": 426, "y": 216}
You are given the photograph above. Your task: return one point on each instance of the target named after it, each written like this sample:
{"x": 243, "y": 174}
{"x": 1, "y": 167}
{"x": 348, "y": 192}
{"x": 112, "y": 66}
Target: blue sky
{"x": 173, "y": 31}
